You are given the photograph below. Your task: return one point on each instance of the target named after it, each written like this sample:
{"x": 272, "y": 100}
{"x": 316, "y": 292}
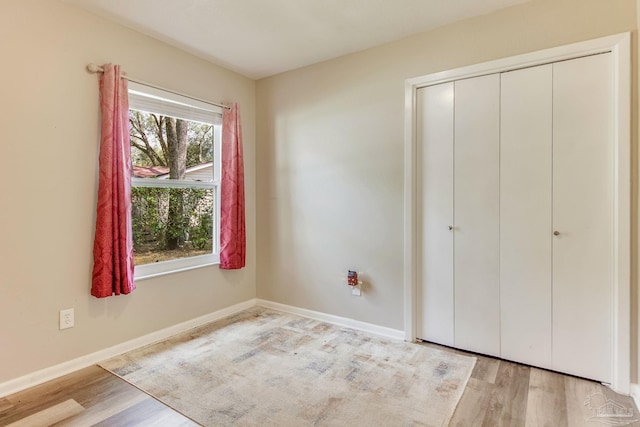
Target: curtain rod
{"x": 93, "y": 68}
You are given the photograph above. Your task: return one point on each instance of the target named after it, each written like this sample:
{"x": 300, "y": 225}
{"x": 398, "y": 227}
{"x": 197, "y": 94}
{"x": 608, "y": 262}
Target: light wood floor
{"x": 106, "y": 400}
{"x": 502, "y": 393}
{"x": 499, "y": 393}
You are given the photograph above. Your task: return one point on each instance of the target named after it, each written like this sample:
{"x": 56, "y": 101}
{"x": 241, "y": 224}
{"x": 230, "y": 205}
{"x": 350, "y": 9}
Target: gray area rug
{"x": 266, "y": 368}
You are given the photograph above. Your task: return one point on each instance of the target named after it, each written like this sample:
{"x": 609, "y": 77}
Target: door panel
{"x": 582, "y": 203}
{"x": 525, "y": 215}
{"x": 435, "y": 213}
{"x": 476, "y": 217}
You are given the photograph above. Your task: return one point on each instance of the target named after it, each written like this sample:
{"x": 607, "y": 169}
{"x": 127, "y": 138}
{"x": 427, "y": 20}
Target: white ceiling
{"x": 259, "y": 38}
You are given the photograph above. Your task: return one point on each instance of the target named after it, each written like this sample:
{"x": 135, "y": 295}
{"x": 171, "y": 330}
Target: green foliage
{"x": 200, "y": 148}
{"x": 202, "y": 234}
{"x": 146, "y": 216}
{"x": 152, "y": 223}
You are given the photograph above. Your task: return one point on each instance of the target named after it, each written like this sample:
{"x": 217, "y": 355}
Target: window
{"x": 175, "y": 151}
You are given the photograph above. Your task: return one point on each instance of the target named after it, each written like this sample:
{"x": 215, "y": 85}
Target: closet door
{"x": 435, "y": 213}
{"x": 582, "y": 216}
{"x": 476, "y": 202}
{"x": 525, "y": 215}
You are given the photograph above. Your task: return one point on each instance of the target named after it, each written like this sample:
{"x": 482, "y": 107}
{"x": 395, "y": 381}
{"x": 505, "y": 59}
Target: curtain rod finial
{"x": 93, "y": 68}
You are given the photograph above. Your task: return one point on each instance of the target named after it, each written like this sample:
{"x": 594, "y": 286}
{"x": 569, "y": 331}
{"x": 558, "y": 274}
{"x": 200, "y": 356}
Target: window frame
{"x": 157, "y": 101}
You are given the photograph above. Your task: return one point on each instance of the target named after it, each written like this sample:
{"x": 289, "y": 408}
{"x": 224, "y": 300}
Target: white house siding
{"x": 201, "y": 174}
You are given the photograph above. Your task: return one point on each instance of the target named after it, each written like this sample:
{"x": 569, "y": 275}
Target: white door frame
{"x": 619, "y": 45}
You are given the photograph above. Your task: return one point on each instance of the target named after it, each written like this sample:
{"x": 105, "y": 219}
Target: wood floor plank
{"x": 546, "y": 401}
{"x": 102, "y": 394}
{"x": 508, "y": 403}
{"x": 51, "y": 393}
{"x": 119, "y": 399}
{"x": 577, "y": 391}
{"x": 50, "y": 416}
{"x": 486, "y": 369}
{"x": 147, "y": 413}
{"x": 106, "y": 391}
{"x": 472, "y": 408}
{"x": 5, "y": 405}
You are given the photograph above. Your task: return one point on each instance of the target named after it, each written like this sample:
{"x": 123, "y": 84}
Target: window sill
{"x": 150, "y": 271}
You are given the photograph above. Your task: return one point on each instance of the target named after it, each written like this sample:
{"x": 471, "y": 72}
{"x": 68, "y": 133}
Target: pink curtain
{"x": 233, "y": 246}
{"x": 113, "y": 244}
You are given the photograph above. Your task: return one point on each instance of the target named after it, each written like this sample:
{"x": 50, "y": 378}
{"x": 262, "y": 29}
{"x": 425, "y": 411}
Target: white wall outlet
{"x": 355, "y": 290}
{"x": 66, "y": 319}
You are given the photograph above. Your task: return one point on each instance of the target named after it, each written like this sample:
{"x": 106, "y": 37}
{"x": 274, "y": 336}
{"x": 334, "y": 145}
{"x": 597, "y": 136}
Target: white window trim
{"x": 153, "y": 100}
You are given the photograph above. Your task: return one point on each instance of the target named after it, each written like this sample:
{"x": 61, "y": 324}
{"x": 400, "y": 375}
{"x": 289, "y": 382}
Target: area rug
{"x": 267, "y": 368}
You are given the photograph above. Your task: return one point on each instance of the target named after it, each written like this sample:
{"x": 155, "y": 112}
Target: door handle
{"x": 556, "y": 233}
{"x": 450, "y": 227}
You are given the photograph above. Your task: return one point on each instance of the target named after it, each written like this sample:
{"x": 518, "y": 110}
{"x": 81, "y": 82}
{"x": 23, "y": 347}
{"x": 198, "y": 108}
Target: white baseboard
{"x": 634, "y": 390}
{"x": 41, "y": 376}
{"x": 336, "y": 320}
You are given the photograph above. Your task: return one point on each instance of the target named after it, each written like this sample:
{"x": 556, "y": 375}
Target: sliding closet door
{"x": 525, "y": 215}
{"x": 582, "y": 216}
{"x": 476, "y": 221}
{"x": 435, "y": 213}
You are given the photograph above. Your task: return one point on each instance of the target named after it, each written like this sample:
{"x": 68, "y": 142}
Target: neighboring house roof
{"x": 149, "y": 171}
{"x": 162, "y": 172}
{"x": 192, "y": 169}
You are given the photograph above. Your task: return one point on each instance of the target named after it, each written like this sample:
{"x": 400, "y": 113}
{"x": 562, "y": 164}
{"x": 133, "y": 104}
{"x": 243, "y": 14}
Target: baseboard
{"x": 336, "y": 320}
{"x": 41, "y": 376}
{"x": 634, "y": 390}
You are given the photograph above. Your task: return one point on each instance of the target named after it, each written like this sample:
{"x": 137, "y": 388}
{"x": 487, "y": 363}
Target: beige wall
{"x": 330, "y": 144}
{"x": 48, "y": 182}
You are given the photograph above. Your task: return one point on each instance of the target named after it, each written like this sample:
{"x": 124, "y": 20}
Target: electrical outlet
{"x": 66, "y": 318}
{"x": 355, "y": 290}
